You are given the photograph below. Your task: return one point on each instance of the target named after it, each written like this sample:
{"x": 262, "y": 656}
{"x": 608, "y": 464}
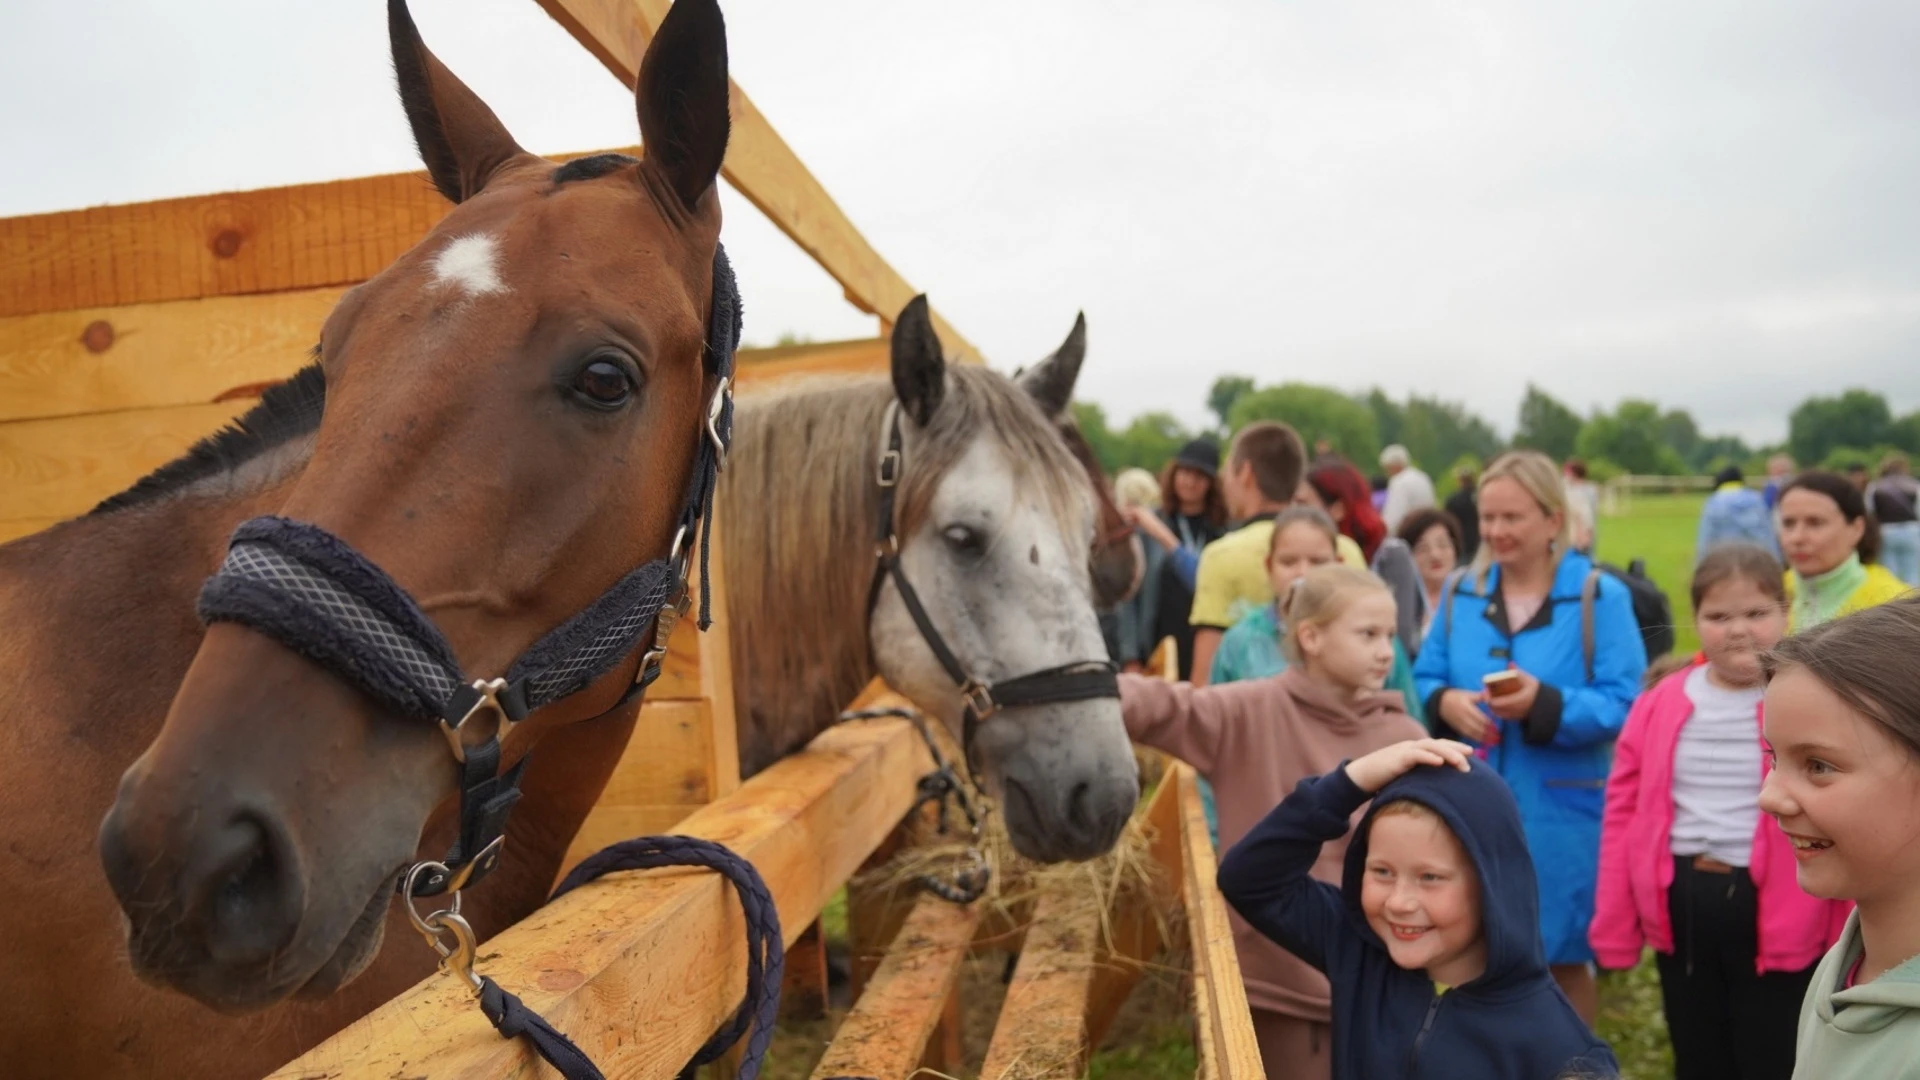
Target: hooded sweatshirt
{"x": 1253, "y": 741}
{"x": 1389, "y": 1023}
{"x": 1869, "y": 1030}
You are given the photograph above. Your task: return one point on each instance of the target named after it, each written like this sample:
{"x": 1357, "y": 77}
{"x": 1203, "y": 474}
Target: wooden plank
{"x": 888, "y": 1030}
{"x": 716, "y": 676}
{"x": 760, "y": 165}
{"x": 667, "y": 759}
{"x": 1042, "y": 1031}
{"x": 303, "y": 236}
{"x": 62, "y": 467}
{"x": 1224, "y": 1024}
{"x": 140, "y": 356}
{"x": 299, "y": 237}
{"x": 760, "y": 368}
{"x": 803, "y": 984}
{"x": 639, "y": 968}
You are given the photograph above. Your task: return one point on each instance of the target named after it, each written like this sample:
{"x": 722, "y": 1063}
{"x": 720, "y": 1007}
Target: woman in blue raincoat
{"x": 1532, "y": 606}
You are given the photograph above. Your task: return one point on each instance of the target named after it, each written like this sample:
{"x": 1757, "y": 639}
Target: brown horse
{"x": 994, "y": 524}
{"x": 510, "y": 418}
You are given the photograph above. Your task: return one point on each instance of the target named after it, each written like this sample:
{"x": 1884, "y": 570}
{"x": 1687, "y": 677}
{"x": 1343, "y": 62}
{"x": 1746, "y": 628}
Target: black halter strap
{"x": 314, "y": 593}
{"x": 1081, "y": 680}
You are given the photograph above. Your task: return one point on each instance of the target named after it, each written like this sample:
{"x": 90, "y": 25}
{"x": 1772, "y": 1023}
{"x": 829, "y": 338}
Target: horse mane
{"x": 798, "y": 505}
{"x": 287, "y": 411}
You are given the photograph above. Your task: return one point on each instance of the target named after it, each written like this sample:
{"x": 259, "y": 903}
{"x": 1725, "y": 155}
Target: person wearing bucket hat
{"x": 1201, "y": 455}
{"x": 1192, "y": 514}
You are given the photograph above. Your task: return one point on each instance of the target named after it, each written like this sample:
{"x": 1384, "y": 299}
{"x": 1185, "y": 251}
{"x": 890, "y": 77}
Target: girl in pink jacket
{"x": 1688, "y": 863}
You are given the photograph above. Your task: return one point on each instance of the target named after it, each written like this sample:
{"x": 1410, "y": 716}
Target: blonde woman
{"x": 1506, "y": 666}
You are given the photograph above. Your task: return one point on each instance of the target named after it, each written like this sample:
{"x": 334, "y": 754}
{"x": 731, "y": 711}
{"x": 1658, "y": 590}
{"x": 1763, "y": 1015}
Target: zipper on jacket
{"x": 1413, "y": 1055}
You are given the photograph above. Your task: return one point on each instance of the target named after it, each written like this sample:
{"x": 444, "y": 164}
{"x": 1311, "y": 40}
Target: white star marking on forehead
{"x": 472, "y": 264}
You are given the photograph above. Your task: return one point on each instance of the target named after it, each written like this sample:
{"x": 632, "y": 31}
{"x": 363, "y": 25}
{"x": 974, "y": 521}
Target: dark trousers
{"x": 1726, "y": 1021}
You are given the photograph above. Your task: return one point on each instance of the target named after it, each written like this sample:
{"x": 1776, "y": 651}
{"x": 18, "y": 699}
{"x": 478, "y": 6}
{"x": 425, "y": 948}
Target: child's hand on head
{"x": 1376, "y": 770}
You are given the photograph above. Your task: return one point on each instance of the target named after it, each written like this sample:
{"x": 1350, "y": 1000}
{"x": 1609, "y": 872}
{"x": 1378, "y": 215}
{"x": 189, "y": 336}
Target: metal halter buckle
{"x": 489, "y": 691}
{"x": 716, "y": 406}
{"x": 456, "y": 959}
{"x": 979, "y": 699}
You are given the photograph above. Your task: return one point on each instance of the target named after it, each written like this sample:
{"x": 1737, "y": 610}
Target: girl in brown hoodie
{"x": 1255, "y": 740}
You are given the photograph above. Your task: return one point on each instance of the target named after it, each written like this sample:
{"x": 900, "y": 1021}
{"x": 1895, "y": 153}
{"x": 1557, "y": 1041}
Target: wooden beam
{"x": 1042, "y": 1032}
{"x": 758, "y": 368}
{"x": 760, "y": 165}
{"x": 62, "y": 467}
{"x": 271, "y": 240}
{"x": 887, "y": 1032}
{"x": 303, "y": 236}
{"x": 1223, "y": 1027}
{"x": 638, "y": 969}
{"x": 141, "y": 356}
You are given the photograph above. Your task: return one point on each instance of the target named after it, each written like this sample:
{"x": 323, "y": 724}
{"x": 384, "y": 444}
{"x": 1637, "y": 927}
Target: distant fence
{"x": 1616, "y": 495}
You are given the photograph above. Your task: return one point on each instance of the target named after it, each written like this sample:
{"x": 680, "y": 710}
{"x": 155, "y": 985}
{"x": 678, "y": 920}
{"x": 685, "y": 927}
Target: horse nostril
{"x": 1077, "y": 813}
{"x": 252, "y": 903}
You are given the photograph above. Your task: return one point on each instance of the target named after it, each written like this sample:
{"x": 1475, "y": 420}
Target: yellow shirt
{"x": 1232, "y": 578}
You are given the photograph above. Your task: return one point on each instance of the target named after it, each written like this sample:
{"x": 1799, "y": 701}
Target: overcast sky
{"x": 1715, "y": 204}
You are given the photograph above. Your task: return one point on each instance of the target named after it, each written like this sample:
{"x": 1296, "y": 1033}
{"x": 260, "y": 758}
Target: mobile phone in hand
{"x": 1502, "y": 683}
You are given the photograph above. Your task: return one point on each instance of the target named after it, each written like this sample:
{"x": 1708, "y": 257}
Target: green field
{"x": 1661, "y": 530}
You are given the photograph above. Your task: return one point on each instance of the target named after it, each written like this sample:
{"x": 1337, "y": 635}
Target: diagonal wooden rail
{"x": 760, "y": 165}
{"x": 639, "y": 968}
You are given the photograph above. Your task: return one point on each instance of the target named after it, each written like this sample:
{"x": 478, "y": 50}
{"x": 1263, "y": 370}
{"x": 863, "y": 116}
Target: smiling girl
{"x": 1843, "y": 724}
{"x": 1254, "y": 740}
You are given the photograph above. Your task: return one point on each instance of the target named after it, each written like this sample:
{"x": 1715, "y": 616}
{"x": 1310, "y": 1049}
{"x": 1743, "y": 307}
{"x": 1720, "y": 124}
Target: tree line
{"x": 1637, "y": 436}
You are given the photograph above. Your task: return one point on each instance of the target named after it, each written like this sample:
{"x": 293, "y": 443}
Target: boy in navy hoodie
{"x": 1432, "y": 944}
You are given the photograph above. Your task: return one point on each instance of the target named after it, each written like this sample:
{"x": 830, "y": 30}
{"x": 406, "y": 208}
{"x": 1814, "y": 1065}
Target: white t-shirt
{"x": 1716, "y": 772}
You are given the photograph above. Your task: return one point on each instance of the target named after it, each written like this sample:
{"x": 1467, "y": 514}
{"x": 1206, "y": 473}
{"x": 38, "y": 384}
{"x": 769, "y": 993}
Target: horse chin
{"x": 356, "y": 950}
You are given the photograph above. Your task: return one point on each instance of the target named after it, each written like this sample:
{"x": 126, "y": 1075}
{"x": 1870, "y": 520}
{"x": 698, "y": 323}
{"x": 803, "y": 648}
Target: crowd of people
{"x": 1449, "y": 786}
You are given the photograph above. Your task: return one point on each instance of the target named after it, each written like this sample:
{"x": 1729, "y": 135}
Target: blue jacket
{"x": 1734, "y": 514}
{"x": 1390, "y": 1023}
{"x": 1556, "y": 760}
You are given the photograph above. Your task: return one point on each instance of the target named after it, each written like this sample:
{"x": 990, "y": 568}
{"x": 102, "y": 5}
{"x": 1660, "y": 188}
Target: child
{"x": 1432, "y": 942}
{"x": 1843, "y": 725}
{"x": 1255, "y": 739}
{"x": 1689, "y": 865}
{"x": 1303, "y": 538}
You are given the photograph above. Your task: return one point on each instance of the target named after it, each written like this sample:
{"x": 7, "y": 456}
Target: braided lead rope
{"x": 943, "y": 787}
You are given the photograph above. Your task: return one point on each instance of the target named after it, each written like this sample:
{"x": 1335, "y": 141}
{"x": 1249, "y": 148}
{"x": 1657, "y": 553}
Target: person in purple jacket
{"x": 1432, "y": 943}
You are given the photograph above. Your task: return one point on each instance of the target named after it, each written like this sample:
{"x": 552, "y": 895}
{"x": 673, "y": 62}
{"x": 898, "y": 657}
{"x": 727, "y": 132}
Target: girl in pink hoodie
{"x": 1688, "y": 863}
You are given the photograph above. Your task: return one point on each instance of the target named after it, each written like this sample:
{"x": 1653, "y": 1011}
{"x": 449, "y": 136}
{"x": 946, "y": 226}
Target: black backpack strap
{"x": 1589, "y": 591}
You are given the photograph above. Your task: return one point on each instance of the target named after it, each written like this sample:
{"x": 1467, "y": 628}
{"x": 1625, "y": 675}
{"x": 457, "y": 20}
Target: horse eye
{"x": 604, "y": 383}
{"x": 963, "y": 539}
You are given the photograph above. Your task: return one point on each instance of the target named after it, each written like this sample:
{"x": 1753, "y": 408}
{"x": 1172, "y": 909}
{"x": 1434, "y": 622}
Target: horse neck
{"x": 107, "y": 602}
{"x": 798, "y": 512}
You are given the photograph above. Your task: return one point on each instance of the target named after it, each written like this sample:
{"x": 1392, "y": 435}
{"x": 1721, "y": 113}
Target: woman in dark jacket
{"x": 1195, "y": 512}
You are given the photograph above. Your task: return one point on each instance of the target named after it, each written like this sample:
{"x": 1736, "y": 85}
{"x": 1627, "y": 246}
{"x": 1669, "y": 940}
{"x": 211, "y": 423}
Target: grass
{"x": 1661, "y": 530}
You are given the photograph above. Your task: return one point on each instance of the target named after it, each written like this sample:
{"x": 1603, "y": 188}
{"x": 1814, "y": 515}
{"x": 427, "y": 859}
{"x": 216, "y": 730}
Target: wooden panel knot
{"x": 98, "y": 336}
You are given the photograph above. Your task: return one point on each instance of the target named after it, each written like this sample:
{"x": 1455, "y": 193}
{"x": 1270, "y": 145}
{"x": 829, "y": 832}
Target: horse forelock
{"x": 799, "y": 508}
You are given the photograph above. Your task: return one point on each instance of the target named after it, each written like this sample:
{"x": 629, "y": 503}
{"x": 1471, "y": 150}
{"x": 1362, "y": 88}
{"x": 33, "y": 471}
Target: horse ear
{"x": 1050, "y": 382}
{"x": 682, "y": 99}
{"x": 462, "y": 143}
{"x": 919, "y": 367}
